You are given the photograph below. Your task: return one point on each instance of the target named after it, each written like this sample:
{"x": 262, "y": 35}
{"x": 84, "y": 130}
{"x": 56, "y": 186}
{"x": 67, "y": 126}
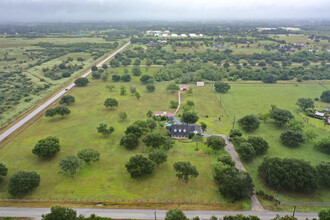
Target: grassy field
{"x": 19, "y": 49}
{"x": 257, "y": 99}
{"x": 108, "y": 179}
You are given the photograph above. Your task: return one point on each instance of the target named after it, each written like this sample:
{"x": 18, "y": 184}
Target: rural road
{"x": 20, "y": 123}
{"x": 146, "y": 213}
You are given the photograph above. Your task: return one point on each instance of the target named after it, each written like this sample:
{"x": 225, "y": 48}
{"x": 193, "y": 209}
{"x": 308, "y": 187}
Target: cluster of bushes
{"x": 293, "y": 174}
{"x": 65, "y": 69}
{"x": 249, "y": 148}
{"x": 233, "y": 184}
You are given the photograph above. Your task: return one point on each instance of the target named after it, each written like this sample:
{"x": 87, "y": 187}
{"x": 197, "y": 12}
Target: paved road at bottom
{"x": 24, "y": 120}
{"x": 146, "y": 213}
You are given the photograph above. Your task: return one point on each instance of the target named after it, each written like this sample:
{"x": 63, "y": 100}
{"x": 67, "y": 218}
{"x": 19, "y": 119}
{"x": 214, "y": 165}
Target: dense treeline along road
{"x": 42, "y": 107}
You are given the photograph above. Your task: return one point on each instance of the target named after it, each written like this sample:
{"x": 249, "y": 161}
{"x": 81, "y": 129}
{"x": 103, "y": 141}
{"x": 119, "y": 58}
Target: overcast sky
{"x": 110, "y": 10}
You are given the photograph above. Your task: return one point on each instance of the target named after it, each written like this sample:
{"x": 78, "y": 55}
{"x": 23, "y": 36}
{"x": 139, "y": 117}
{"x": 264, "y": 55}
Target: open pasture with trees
{"x": 33, "y": 68}
{"x": 95, "y": 145}
{"x": 108, "y": 179}
{"x": 247, "y": 99}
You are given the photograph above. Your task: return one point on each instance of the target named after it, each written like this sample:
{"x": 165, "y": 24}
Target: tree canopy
{"x": 221, "y": 87}
{"x": 189, "y": 117}
{"x": 70, "y": 165}
{"x": 249, "y": 123}
{"x": 216, "y": 142}
{"x": 292, "y": 138}
{"x": 325, "y": 96}
{"x": 280, "y": 116}
{"x": 289, "y": 174}
{"x": 81, "y": 82}
{"x": 139, "y": 166}
{"x": 305, "y": 103}
{"x": 89, "y": 155}
{"x": 3, "y": 170}
{"x": 185, "y": 169}
{"x": 102, "y": 129}
{"x": 67, "y": 100}
{"x": 22, "y": 182}
{"x": 47, "y": 147}
{"x": 129, "y": 141}
{"x": 259, "y": 144}
{"x": 111, "y": 102}
{"x": 158, "y": 157}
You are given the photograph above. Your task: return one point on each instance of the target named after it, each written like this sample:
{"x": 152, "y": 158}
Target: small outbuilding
{"x": 184, "y": 87}
{"x": 319, "y": 114}
{"x": 200, "y": 83}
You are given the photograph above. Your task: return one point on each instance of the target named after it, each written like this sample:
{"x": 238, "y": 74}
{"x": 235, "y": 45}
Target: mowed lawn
{"x": 108, "y": 178}
{"x": 244, "y": 99}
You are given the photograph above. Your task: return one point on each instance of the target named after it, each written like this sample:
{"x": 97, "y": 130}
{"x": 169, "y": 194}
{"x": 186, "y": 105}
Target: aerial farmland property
{"x": 198, "y": 118}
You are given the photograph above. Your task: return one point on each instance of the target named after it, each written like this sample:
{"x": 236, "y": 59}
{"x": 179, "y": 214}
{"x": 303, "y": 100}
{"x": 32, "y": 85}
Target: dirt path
{"x": 179, "y": 98}
{"x": 255, "y": 203}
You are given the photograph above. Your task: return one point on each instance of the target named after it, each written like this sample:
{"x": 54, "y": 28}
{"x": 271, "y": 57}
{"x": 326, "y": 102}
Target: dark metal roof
{"x": 183, "y": 130}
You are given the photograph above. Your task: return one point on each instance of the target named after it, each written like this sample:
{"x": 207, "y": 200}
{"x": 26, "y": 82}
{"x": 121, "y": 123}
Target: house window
{"x": 180, "y": 130}
{"x": 175, "y": 130}
{"x": 184, "y": 130}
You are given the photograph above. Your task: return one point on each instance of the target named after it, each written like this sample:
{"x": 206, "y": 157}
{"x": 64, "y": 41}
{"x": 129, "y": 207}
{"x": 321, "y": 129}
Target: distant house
{"x": 184, "y": 87}
{"x": 217, "y": 45}
{"x": 183, "y": 35}
{"x": 319, "y": 114}
{"x": 174, "y": 35}
{"x": 163, "y": 113}
{"x": 192, "y": 35}
{"x": 302, "y": 44}
{"x": 201, "y": 35}
{"x": 326, "y": 110}
{"x": 200, "y": 83}
{"x": 328, "y": 121}
{"x": 180, "y": 131}
{"x": 164, "y": 35}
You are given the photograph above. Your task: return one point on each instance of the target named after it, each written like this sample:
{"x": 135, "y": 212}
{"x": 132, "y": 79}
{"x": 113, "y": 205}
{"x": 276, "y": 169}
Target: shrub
{"x": 249, "y": 123}
{"x": 259, "y": 144}
{"x": 23, "y": 182}
{"x": 47, "y": 147}
{"x": 289, "y": 174}
{"x": 81, "y": 82}
{"x": 246, "y": 151}
{"x": 291, "y": 138}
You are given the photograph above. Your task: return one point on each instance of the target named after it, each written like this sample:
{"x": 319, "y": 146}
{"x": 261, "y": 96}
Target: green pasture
{"x": 244, "y": 99}
{"x": 108, "y": 179}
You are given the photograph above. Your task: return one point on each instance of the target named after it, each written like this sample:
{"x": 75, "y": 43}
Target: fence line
{"x": 307, "y": 121}
{"x": 306, "y": 203}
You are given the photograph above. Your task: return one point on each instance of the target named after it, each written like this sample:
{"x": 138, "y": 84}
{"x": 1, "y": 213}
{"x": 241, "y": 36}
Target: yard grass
{"x": 244, "y": 99}
{"x": 108, "y": 178}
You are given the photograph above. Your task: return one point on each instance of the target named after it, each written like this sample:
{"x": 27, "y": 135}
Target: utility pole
{"x": 234, "y": 122}
{"x": 294, "y": 210}
{"x": 155, "y": 215}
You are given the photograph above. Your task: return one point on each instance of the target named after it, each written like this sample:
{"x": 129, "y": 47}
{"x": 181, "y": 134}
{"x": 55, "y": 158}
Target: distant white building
{"x": 290, "y": 28}
{"x": 184, "y": 35}
{"x": 192, "y": 35}
{"x": 174, "y": 35}
{"x": 319, "y": 114}
{"x": 201, "y": 35}
{"x": 167, "y": 31}
{"x": 164, "y": 35}
{"x": 200, "y": 83}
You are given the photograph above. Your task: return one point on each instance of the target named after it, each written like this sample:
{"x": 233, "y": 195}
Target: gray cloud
{"x": 109, "y": 10}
